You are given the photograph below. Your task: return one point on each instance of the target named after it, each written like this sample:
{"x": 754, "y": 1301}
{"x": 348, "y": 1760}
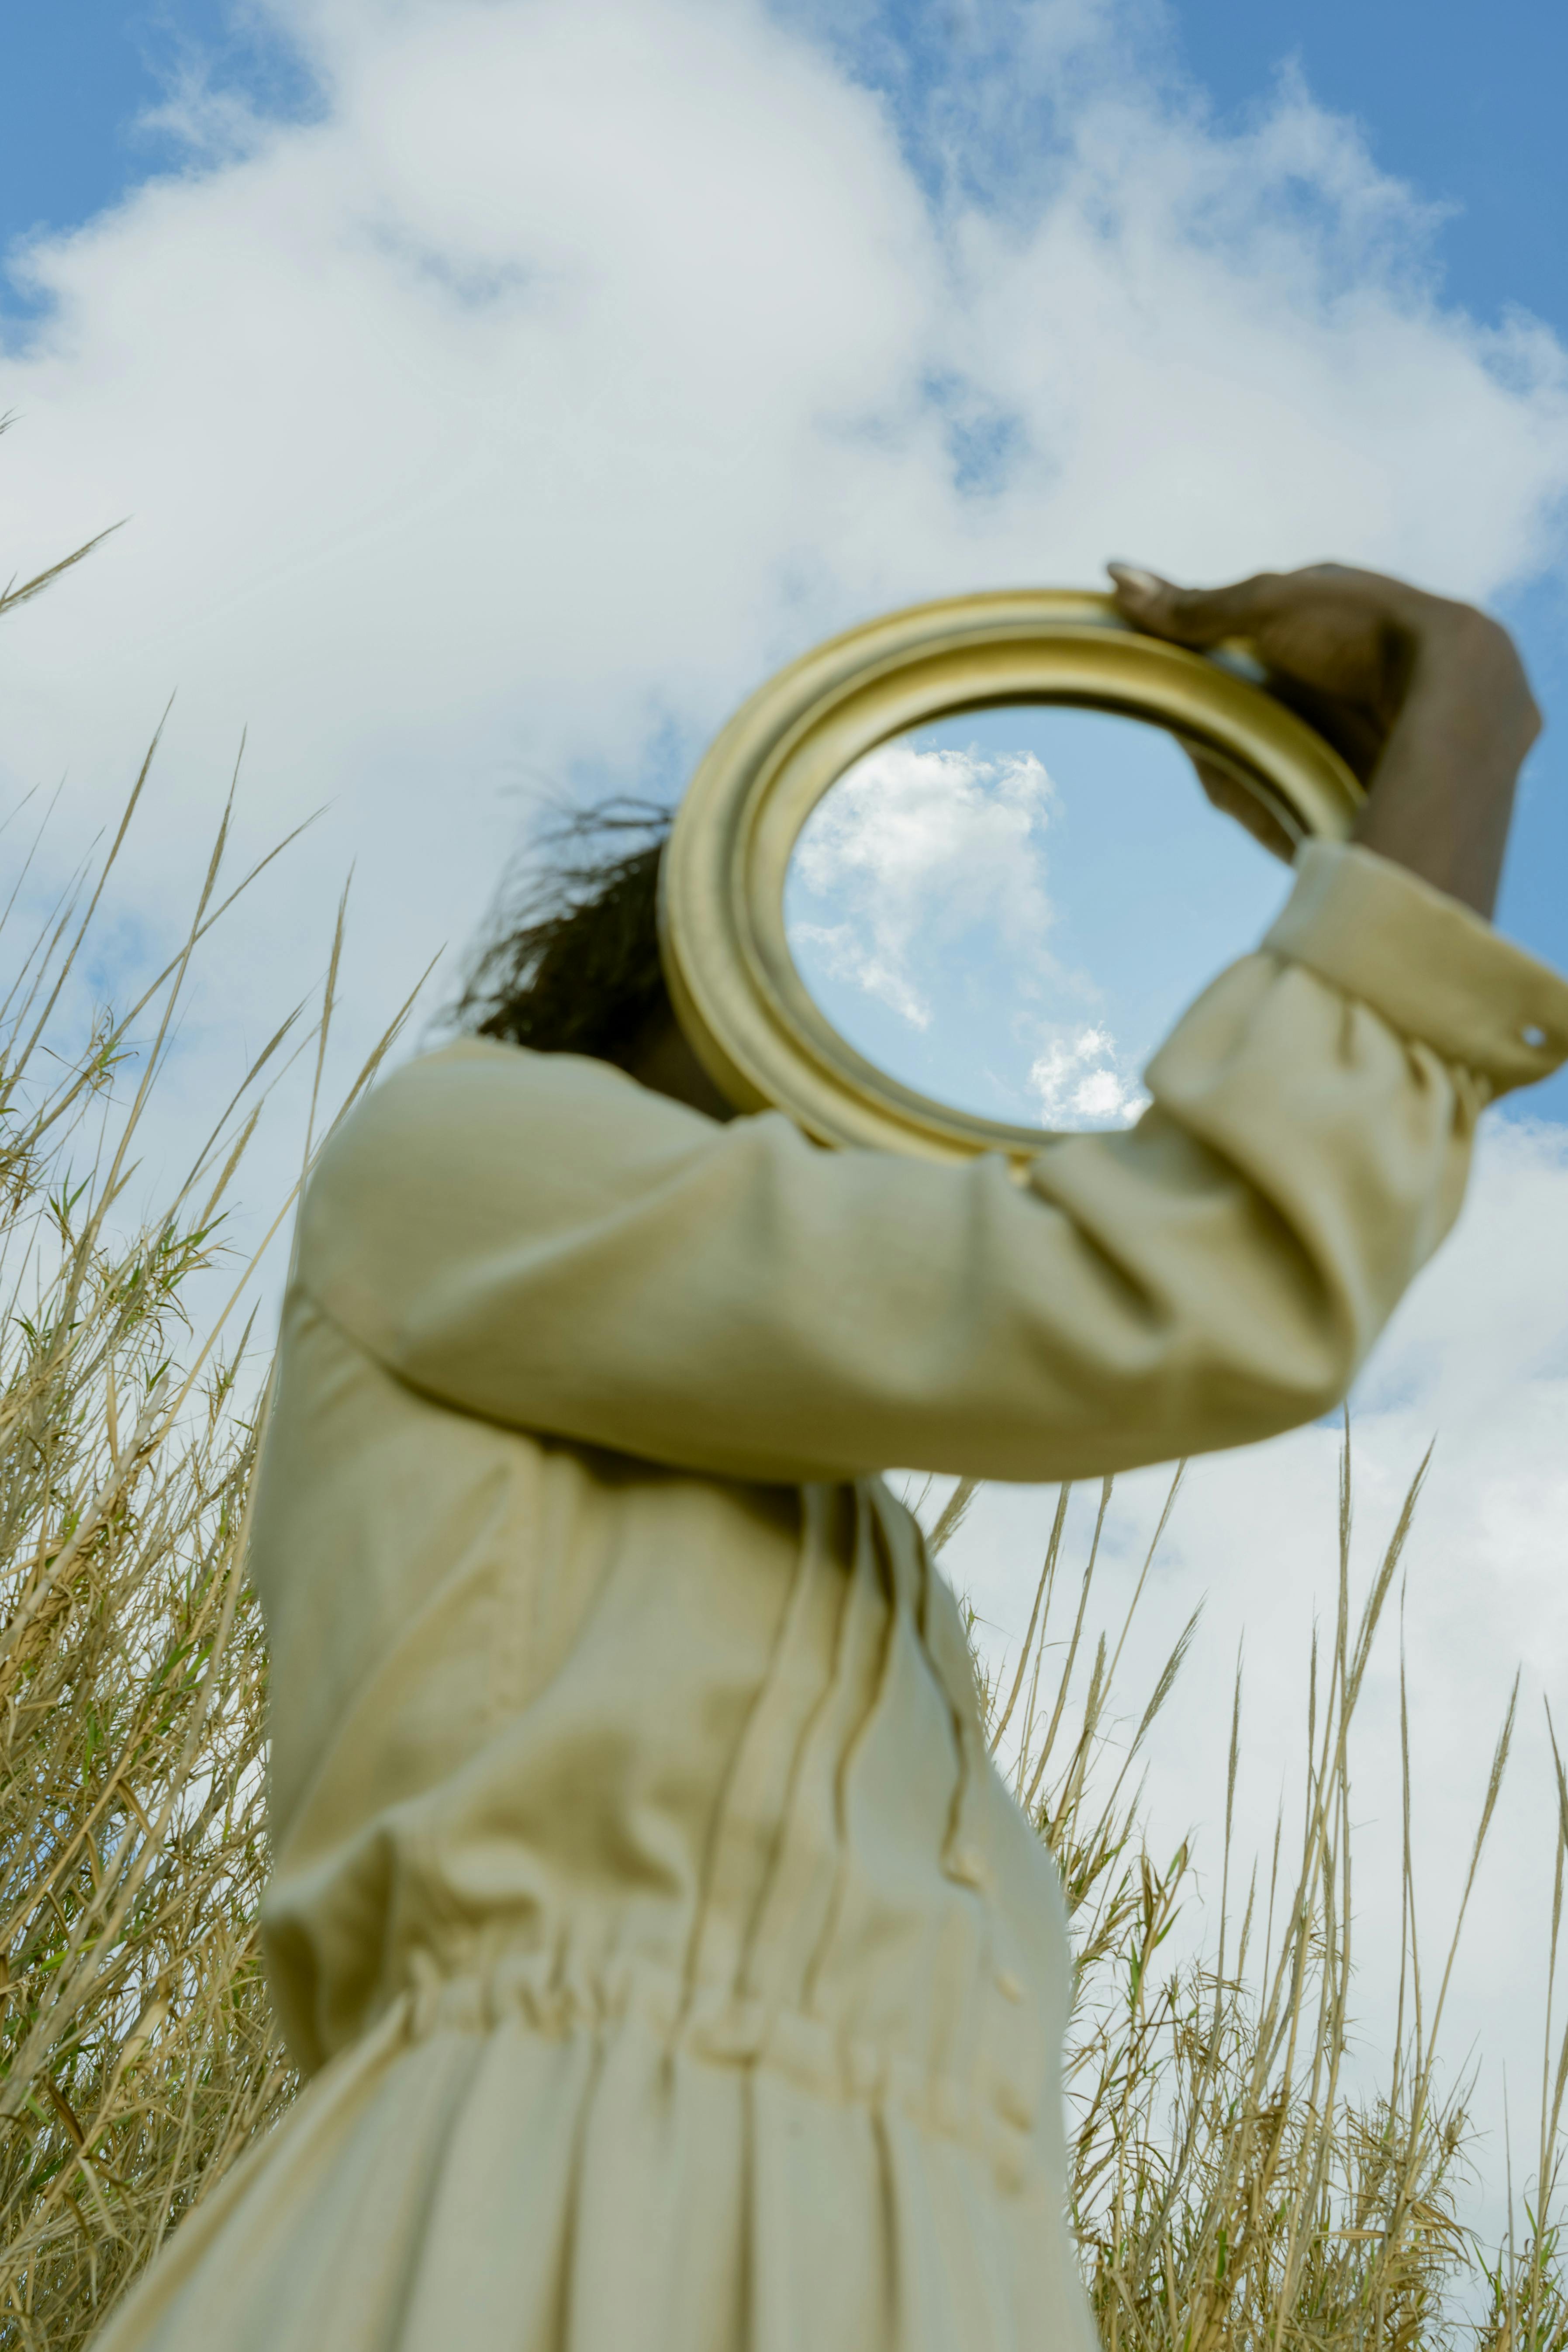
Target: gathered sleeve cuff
{"x": 1433, "y": 969}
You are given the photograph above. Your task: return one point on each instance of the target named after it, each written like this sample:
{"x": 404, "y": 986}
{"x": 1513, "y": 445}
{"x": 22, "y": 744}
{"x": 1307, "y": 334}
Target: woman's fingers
{"x": 1232, "y": 800}
{"x": 1357, "y": 734}
{"x": 1426, "y": 697}
{"x": 1193, "y": 616}
{"x": 1328, "y": 633}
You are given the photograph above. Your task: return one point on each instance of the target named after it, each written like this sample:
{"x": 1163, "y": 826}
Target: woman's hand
{"x": 1427, "y": 700}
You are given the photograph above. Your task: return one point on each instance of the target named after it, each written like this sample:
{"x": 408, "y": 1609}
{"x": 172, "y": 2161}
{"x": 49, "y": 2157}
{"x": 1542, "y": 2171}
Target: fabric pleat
{"x": 498, "y": 2188}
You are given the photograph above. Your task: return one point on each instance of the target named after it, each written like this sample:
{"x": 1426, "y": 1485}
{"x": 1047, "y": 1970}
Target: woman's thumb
{"x": 1196, "y": 617}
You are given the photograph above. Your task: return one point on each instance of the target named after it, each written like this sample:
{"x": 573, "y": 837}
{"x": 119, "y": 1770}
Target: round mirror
{"x": 941, "y": 885}
{"x": 1007, "y": 909}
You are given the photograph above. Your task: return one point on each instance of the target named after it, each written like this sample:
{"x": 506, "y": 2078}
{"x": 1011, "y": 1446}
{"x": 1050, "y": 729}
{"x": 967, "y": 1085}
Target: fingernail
{"x": 1131, "y": 575}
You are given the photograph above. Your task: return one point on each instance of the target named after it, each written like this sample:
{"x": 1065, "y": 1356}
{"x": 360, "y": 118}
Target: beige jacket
{"x": 676, "y": 1974}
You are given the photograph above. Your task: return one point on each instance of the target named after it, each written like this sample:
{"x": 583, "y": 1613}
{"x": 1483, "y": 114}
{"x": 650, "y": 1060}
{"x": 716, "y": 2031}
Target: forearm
{"x": 1442, "y": 795}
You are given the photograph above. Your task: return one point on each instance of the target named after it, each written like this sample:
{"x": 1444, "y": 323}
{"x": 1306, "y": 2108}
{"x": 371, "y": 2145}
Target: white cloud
{"x": 921, "y": 847}
{"x": 1078, "y": 1078}
{"x": 839, "y": 952}
{"x": 577, "y": 362}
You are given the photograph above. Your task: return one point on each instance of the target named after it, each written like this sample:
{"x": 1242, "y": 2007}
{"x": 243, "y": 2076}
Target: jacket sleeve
{"x": 541, "y": 1241}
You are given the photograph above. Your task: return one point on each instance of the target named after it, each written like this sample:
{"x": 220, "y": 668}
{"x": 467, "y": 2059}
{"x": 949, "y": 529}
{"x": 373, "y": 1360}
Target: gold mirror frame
{"x": 749, "y": 1015}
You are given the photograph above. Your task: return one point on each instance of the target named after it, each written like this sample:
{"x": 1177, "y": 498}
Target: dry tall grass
{"x": 135, "y": 2045}
{"x": 1227, "y": 2188}
{"x": 137, "y": 2050}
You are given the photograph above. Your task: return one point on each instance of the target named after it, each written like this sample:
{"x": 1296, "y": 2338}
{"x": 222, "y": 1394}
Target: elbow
{"x": 1257, "y": 1362}
{"x": 1314, "y": 1401}
{"x": 1299, "y": 1379}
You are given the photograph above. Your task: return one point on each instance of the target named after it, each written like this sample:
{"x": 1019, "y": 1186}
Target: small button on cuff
{"x": 970, "y": 1867}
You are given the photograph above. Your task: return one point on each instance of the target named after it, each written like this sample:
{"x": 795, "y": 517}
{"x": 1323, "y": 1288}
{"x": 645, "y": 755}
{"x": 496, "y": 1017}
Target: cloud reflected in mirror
{"x": 1006, "y": 910}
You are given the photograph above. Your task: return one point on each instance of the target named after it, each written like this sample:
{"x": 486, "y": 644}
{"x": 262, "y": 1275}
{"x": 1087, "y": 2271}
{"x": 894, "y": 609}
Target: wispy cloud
{"x": 840, "y": 951}
{"x": 1080, "y": 1080}
{"x": 916, "y": 850}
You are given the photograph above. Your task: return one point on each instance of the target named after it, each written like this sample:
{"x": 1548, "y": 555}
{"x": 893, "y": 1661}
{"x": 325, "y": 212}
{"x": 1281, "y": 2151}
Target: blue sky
{"x": 1462, "y": 105}
{"x": 1465, "y": 103}
{"x": 81, "y": 77}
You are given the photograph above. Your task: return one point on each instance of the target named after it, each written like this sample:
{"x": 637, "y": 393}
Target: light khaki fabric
{"x": 678, "y": 1975}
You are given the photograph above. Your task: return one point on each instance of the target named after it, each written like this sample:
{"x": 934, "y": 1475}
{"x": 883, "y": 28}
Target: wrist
{"x": 1442, "y": 795}
{"x": 1466, "y": 675}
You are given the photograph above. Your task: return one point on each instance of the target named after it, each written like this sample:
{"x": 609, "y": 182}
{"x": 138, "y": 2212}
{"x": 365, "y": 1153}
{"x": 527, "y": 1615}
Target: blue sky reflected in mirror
{"x": 1007, "y": 909}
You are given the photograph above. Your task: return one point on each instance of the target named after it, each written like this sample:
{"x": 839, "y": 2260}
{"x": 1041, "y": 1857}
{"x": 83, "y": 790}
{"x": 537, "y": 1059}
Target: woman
{"x": 675, "y": 1974}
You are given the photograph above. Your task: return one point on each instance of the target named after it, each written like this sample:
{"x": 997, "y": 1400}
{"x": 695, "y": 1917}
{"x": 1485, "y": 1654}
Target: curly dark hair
{"x": 573, "y": 966}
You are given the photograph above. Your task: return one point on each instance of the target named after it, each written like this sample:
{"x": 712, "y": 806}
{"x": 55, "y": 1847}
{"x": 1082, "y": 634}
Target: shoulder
{"x": 480, "y": 1095}
{"x": 481, "y": 1133}
{"x": 475, "y": 1079}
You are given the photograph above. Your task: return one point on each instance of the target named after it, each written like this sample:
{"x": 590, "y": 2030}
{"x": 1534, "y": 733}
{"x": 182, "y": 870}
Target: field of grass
{"x": 1227, "y": 2188}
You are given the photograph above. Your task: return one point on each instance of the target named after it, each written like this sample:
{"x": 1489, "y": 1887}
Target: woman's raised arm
{"x": 540, "y": 1240}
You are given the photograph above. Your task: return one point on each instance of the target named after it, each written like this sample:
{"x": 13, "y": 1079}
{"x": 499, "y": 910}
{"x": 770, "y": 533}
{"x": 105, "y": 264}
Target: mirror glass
{"x": 1007, "y": 909}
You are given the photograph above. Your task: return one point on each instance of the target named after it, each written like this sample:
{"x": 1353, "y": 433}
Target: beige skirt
{"x": 461, "y": 2177}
